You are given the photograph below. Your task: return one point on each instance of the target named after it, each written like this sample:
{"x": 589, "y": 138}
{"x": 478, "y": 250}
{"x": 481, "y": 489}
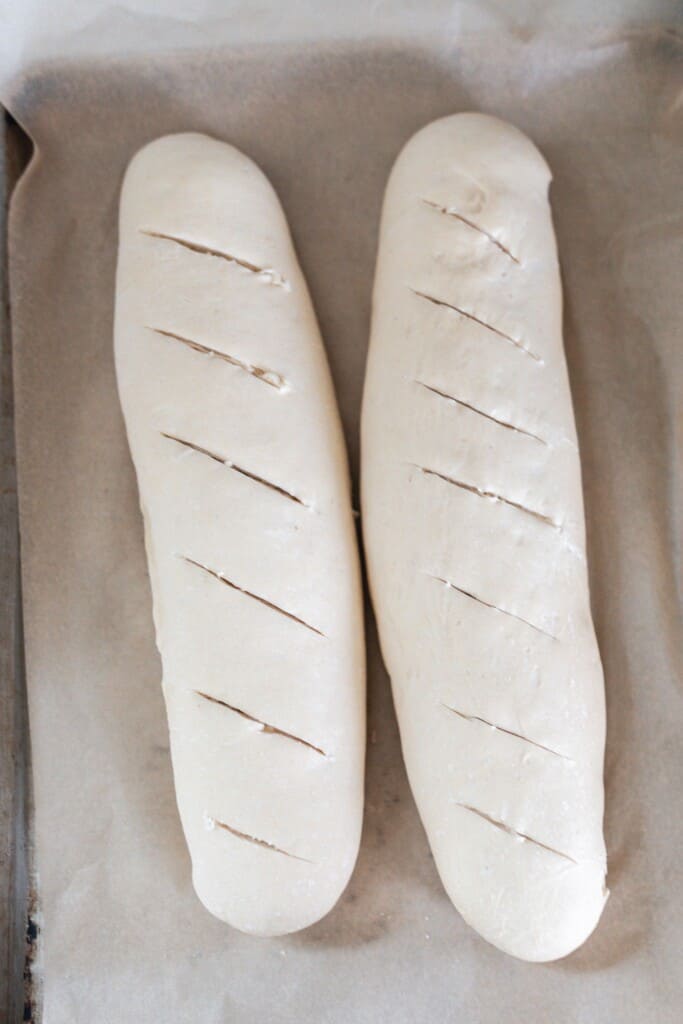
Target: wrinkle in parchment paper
{"x": 123, "y": 933}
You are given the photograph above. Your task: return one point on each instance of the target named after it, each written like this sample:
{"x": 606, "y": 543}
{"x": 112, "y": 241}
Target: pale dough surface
{"x": 474, "y": 532}
{"x": 243, "y": 481}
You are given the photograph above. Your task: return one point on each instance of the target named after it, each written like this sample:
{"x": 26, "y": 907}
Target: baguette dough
{"x": 244, "y": 488}
{"x": 474, "y": 533}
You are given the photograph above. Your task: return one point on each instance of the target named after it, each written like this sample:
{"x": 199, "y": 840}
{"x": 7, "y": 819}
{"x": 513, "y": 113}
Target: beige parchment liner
{"x": 123, "y": 936}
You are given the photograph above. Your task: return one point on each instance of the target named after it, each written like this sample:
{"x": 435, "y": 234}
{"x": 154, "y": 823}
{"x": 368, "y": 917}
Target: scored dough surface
{"x": 474, "y": 533}
{"x": 244, "y": 488}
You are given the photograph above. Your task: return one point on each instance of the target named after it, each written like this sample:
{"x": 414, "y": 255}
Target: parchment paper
{"x": 123, "y": 936}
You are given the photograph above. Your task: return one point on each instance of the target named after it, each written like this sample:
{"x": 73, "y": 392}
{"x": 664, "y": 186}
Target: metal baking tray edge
{"x": 19, "y": 928}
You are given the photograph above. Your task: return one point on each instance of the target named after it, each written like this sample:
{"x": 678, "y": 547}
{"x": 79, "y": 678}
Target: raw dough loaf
{"x": 474, "y": 532}
{"x": 244, "y": 488}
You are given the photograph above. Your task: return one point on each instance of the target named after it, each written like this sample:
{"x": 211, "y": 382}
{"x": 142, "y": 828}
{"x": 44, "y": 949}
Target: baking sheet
{"x": 123, "y": 935}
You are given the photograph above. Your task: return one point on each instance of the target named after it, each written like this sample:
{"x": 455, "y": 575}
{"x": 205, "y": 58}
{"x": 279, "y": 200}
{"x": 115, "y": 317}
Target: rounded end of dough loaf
{"x": 194, "y": 187}
{"x": 302, "y": 896}
{"x": 525, "y": 900}
{"x": 170, "y": 156}
{"x": 564, "y": 924}
{"x": 476, "y": 144}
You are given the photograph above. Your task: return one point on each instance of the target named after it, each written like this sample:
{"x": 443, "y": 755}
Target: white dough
{"x": 474, "y": 532}
{"x": 243, "y": 481}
